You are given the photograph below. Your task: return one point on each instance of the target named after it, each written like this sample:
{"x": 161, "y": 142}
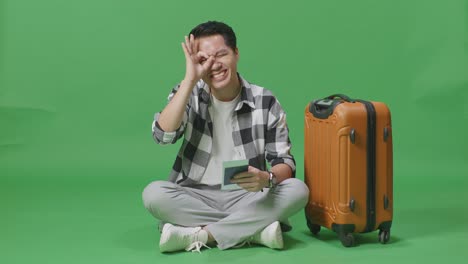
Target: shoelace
{"x": 196, "y": 246}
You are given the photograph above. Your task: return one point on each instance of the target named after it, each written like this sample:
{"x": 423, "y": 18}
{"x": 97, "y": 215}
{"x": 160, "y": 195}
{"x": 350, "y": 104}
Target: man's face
{"x": 223, "y": 73}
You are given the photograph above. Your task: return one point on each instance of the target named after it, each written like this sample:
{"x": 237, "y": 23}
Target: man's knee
{"x": 298, "y": 191}
{"x": 155, "y": 194}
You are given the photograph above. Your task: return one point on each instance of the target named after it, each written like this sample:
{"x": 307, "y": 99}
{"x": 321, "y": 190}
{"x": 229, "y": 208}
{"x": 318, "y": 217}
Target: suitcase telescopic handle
{"x": 341, "y": 96}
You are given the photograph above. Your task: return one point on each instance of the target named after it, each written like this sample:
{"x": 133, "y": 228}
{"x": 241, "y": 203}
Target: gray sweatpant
{"x": 230, "y": 216}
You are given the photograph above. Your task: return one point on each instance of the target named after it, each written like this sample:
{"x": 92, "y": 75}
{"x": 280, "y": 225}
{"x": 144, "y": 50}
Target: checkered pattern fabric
{"x": 260, "y": 132}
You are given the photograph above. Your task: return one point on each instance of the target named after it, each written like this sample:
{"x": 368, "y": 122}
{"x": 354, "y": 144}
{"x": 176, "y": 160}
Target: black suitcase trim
{"x": 371, "y": 165}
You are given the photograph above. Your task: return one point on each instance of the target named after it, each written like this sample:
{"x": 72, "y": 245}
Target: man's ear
{"x": 236, "y": 52}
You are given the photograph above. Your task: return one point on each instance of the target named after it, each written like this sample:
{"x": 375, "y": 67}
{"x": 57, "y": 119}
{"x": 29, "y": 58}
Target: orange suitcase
{"x": 348, "y": 167}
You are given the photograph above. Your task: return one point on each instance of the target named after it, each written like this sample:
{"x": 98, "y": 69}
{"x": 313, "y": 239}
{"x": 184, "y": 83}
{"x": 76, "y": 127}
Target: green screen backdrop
{"x": 80, "y": 82}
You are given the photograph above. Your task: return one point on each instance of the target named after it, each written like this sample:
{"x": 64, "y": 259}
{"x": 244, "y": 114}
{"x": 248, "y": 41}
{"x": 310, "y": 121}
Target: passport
{"x": 230, "y": 169}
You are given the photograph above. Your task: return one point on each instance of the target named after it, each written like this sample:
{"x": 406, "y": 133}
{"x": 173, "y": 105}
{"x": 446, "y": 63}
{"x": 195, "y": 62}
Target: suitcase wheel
{"x": 315, "y": 229}
{"x": 347, "y": 239}
{"x": 384, "y": 236}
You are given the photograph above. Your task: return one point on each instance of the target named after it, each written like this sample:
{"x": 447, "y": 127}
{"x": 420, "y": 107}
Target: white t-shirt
{"x": 223, "y": 146}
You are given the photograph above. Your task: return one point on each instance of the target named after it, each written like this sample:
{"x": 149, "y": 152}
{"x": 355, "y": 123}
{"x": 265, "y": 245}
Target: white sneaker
{"x": 175, "y": 238}
{"x": 271, "y": 236}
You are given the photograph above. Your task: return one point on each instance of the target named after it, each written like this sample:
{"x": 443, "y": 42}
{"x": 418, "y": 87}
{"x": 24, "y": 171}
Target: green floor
{"x": 96, "y": 216}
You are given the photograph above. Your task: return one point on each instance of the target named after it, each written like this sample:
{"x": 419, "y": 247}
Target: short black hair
{"x": 211, "y": 28}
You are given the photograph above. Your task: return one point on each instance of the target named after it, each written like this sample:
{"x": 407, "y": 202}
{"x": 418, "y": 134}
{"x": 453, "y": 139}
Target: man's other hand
{"x": 253, "y": 180}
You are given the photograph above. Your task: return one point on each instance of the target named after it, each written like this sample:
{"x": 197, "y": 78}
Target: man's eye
{"x": 202, "y": 61}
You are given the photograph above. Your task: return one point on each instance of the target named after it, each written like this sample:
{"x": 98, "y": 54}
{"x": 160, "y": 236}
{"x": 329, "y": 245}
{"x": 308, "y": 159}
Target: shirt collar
{"x": 246, "y": 96}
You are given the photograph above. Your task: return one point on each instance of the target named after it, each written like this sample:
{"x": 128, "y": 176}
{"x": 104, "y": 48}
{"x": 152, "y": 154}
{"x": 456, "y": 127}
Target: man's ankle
{"x": 210, "y": 236}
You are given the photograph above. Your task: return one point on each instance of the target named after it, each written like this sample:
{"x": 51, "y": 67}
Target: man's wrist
{"x": 189, "y": 81}
{"x": 272, "y": 180}
{"x": 186, "y": 86}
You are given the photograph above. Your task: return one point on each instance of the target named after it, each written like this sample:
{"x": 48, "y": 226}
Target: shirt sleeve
{"x": 169, "y": 137}
{"x": 277, "y": 142}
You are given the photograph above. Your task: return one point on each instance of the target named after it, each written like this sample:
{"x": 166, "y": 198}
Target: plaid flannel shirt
{"x": 259, "y": 132}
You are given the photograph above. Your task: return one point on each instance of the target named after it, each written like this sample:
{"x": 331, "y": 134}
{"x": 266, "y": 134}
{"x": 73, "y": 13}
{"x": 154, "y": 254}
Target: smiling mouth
{"x": 219, "y": 75}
